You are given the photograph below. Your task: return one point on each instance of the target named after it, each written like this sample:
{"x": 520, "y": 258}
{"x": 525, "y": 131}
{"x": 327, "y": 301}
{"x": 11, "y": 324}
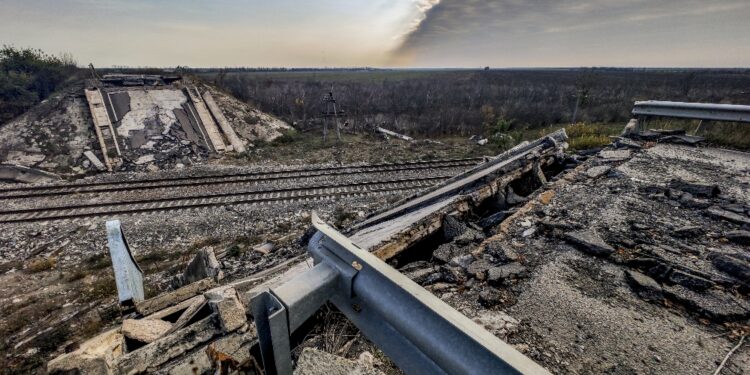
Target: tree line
{"x": 28, "y": 76}
{"x": 439, "y": 102}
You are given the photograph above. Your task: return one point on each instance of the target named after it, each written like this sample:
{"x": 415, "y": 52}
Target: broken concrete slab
{"x": 203, "y": 265}
{"x": 492, "y": 220}
{"x": 317, "y": 362}
{"x": 227, "y": 306}
{"x": 184, "y": 305}
{"x": 500, "y": 252}
{"x": 733, "y": 266}
{"x": 722, "y": 214}
{"x": 690, "y": 281}
{"x": 452, "y": 228}
{"x": 740, "y": 237}
{"x": 696, "y": 188}
{"x": 598, "y": 171}
{"x": 498, "y": 323}
{"x": 507, "y": 271}
{"x": 167, "y": 348}
{"x": 683, "y": 139}
{"x": 226, "y": 127}
{"x": 95, "y": 356}
{"x": 479, "y": 268}
{"x": 145, "y": 330}
{"x": 615, "y": 155}
{"x": 165, "y": 300}
{"x": 490, "y": 297}
{"x": 646, "y": 287}
{"x": 589, "y": 241}
{"x": 621, "y": 142}
{"x": 713, "y": 304}
{"x": 448, "y": 251}
{"x": 198, "y": 302}
{"x": 95, "y": 161}
{"x": 512, "y": 198}
{"x": 233, "y": 351}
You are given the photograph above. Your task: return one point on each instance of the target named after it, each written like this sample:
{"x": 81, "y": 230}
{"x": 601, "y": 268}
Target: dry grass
{"x": 41, "y": 264}
{"x": 102, "y": 288}
{"x": 581, "y": 136}
{"x": 728, "y": 134}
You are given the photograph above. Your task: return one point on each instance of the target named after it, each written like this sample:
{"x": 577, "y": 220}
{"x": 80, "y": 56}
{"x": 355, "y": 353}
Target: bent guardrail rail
{"x": 128, "y": 275}
{"x": 418, "y": 331}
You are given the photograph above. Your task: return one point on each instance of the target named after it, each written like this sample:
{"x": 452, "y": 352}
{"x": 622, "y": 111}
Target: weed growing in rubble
{"x": 581, "y": 136}
{"x": 41, "y": 264}
{"x": 102, "y": 288}
{"x": 204, "y": 242}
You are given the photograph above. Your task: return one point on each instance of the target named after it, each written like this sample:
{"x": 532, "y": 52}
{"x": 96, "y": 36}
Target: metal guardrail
{"x": 698, "y": 111}
{"x": 128, "y": 275}
{"x": 418, "y": 331}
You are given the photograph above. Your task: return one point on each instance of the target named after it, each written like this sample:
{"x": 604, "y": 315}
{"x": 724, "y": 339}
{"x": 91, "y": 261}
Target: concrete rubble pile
{"x": 197, "y": 326}
{"x": 635, "y": 261}
{"x": 130, "y": 123}
{"x": 201, "y": 326}
{"x": 628, "y": 259}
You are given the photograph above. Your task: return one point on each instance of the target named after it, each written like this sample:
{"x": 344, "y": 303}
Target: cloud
{"x": 508, "y": 24}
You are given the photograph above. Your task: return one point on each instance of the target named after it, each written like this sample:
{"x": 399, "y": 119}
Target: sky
{"x": 385, "y": 33}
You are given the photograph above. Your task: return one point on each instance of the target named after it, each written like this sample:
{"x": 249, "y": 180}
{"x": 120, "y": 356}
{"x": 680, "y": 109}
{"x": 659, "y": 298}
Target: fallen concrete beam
{"x": 19, "y": 173}
{"x": 503, "y": 163}
{"x": 390, "y": 238}
{"x": 226, "y": 127}
{"x": 163, "y": 301}
{"x": 208, "y": 122}
{"x": 394, "y": 134}
{"x": 102, "y": 123}
{"x": 167, "y": 348}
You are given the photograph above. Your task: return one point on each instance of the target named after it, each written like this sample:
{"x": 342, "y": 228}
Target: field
{"x": 492, "y": 103}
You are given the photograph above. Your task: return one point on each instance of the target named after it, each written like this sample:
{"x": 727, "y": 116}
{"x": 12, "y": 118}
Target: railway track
{"x": 218, "y": 199}
{"x": 233, "y": 178}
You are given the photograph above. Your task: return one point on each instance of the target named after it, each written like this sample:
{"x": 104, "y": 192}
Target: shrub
{"x": 41, "y": 264}
{"x": 28, "y": 76}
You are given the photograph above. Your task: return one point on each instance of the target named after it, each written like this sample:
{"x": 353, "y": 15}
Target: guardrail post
{"x": 418, "y": 331}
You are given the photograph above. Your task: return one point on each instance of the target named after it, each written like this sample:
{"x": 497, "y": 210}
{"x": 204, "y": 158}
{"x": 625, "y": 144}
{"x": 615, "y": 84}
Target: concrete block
{"x": 227, "y": 306}
{"x": 145, "y": 330}
{"x": 95, "y": 356}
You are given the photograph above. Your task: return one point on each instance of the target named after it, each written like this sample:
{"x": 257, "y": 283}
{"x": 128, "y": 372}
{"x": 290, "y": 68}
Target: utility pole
{"x": 331, "y": 112}
{"x": 94, "y": 74}
{"x": 581, "y": 97}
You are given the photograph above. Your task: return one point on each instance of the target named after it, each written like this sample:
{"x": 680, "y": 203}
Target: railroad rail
{"x": 231, "y": 178}
{"x": 315, "y": 192}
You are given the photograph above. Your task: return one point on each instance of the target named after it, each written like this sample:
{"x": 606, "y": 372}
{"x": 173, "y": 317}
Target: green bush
{"x": 28, "y": 76}
{"x": 289, "y": 136}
